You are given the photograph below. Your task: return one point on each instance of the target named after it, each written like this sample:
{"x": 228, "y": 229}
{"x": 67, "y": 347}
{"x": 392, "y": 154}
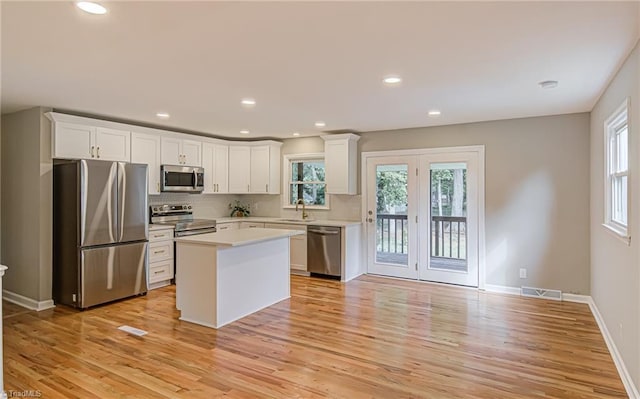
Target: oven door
{"x": 181, "y": 179}
{"x": 185, "y": 233}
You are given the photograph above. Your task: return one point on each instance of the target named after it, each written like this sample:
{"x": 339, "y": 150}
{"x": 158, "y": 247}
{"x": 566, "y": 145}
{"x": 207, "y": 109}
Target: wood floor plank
{"x": 370, "y": 338}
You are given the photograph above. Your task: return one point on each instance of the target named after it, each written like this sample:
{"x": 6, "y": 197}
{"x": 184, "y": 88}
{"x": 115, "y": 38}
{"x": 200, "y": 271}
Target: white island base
{"x": 222, "y": 277}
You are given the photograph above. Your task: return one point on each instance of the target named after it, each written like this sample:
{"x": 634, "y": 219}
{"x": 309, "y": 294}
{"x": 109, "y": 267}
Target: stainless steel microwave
{"x": 174, "y": 178}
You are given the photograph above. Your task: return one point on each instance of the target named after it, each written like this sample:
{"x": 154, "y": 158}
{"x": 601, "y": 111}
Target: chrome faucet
{"x": 304, "y": 209}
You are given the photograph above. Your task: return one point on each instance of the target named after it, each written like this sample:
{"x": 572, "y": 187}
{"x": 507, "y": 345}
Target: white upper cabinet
{"x": 145, "y": 148}
{"x": 171, "y": 151}
{"x": 215, "y": 159}
{"x": 112, "y": 144}
{"x": 239, "y": 168}
{"x": 178, "y": 150}
{"x": 73, "y": 140}
{"x": 230, "y": 167}
{"x": 340, "y": 160}
{"x": 259, "y": 181}
{"x": 265, "y": 168}
{"x": 192, "y": 152}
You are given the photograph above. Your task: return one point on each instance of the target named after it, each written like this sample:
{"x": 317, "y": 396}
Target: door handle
{"x": 91, "y": 152}
{"x": 266, "y": 188}
{"x": 98, "y": 152}
{"x": 195, "y": 180}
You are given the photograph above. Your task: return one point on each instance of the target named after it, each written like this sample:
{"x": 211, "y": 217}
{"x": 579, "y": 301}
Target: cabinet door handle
{"x": 92, "y": 147}
{"x": 248, "y": 189}
{"x": 158, "y": 185}
{"x": 98, "y": 152}
{"x": 266, "y": 188}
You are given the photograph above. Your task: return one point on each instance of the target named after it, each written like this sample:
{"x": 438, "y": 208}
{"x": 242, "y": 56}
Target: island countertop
{"x": 238, "y": 237}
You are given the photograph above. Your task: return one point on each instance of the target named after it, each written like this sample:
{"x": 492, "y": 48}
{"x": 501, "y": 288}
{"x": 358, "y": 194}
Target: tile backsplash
{"x": 343, "y": 207}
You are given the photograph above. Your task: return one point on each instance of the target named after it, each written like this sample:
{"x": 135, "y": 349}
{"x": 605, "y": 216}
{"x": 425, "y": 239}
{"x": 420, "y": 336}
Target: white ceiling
{"x": 309, "y": 61}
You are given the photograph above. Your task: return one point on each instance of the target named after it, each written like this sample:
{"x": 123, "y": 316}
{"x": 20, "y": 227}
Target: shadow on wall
{"x": 523, "y": 232}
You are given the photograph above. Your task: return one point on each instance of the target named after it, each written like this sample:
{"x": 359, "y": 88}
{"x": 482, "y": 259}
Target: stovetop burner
{"x": 180, "y": 216}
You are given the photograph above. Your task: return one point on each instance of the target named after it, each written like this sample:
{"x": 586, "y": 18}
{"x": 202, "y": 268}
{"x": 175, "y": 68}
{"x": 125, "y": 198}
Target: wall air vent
{"x": 532, "y": 292}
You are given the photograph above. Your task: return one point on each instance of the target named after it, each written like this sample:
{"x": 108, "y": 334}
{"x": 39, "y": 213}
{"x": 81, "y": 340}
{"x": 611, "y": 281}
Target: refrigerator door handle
{"x": 122, "y": 191}
{"x": 112, "y": 219}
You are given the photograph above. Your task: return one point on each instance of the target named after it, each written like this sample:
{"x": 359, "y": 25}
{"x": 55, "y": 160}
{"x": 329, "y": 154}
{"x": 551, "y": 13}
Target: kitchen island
{"x": 224, "y": 276}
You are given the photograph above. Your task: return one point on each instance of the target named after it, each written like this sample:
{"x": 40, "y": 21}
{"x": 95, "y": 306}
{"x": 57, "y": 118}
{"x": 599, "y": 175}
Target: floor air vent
{"x": 541, "y": 293}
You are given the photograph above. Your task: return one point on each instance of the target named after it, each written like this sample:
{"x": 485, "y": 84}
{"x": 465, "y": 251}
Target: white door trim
{"x": 479, "y": 149}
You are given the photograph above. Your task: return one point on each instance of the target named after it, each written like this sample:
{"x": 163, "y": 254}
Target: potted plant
{"x": 239, "y": 210}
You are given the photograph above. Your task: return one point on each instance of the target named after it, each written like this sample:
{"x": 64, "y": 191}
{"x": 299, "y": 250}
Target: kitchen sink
{"x": 296, "y": 220}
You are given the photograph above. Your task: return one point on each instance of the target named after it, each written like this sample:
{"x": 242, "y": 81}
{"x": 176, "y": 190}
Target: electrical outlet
{"x": 523, "y": 273}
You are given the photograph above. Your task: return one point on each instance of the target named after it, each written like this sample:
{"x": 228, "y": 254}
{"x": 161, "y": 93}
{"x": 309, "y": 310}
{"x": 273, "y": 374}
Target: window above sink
{"x": 304, "y": 178}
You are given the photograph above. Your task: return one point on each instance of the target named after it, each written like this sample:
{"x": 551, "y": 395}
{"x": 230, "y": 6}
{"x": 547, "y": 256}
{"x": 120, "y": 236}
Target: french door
{"x": 392, "y": 207}
{"x": 423, "y": 216}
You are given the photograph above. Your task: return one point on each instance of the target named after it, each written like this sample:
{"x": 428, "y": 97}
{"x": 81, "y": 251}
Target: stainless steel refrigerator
{"x": 100, "y": 225}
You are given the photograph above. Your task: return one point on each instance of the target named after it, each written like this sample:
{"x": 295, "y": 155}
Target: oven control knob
{"x": 189, "y": 207}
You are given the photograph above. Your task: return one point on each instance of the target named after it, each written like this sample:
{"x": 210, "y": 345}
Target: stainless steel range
{"x": 181, "y": 217}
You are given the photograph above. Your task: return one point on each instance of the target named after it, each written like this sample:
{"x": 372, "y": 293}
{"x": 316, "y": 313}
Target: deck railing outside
{"x": 448, "y": 235}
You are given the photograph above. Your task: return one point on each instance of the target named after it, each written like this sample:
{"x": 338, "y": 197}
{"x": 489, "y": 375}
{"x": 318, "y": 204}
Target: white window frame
{"x": 286, "y": 179}
{"x": 612, "y": 126}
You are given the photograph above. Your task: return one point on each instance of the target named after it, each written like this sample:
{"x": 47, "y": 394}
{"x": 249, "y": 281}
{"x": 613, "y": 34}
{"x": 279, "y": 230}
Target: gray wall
{"x": 615, "y": 266}
{"x": 26, "y": 203}
{"x": 536, "y": 193}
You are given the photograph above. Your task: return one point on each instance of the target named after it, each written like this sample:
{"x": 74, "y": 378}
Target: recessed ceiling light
{"x": 91, "y": 8}
{"x": 296, "y": 134}
{"x": 548, "y": 84}
{"x": 163, "y": 115}
{"x": 392, "y": 80}
{"x": 434, "y": 112}
{"x": 320, "y": 124}
{"x": 248, "y": 102}
{"x": 244, "y": 132}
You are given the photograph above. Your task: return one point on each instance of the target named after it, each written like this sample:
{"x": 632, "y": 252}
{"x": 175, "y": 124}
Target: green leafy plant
{"x": 239, "y": 210}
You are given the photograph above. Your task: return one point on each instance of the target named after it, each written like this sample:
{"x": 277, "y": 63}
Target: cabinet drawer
{"x": 251, "y": 225}
{"x": 160, "y": 271}
{"x": 227, "y": 226}
{"x": 160, "y": 251}
{"x": 160, "y": 235}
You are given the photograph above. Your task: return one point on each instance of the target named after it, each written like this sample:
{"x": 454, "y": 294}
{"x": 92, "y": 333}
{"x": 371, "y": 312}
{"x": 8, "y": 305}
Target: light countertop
{"x": 282, "y": 220}
{"x": 238, "y": 237}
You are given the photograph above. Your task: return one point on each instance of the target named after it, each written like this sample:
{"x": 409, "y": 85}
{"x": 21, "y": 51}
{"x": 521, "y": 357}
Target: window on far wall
{"x": 616, "y": 129}
{"x": 305, "y": 179}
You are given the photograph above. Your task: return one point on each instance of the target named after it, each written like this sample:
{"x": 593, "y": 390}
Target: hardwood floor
{"x": 372, "y": 337}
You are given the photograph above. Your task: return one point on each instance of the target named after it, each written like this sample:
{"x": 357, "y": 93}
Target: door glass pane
{"x": 449, "y": 216}
{"x": 391, "y": 214}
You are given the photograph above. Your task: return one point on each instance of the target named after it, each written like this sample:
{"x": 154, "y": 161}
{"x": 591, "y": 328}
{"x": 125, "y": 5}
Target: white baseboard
{"x": 632, "y": 390}
{"x": 502, "y": 289}
{"x": 629, "y": 386}
{"x": 26, "y": 302}
{"x": 576, "y": 298}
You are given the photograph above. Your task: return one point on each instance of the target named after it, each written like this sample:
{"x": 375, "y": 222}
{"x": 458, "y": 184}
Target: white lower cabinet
{"x": 160, "y": 257}
{"x": 297, "y": 246}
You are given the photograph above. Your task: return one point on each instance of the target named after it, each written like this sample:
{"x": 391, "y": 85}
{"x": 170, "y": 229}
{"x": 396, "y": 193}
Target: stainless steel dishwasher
{"x": 324, "y": 250}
